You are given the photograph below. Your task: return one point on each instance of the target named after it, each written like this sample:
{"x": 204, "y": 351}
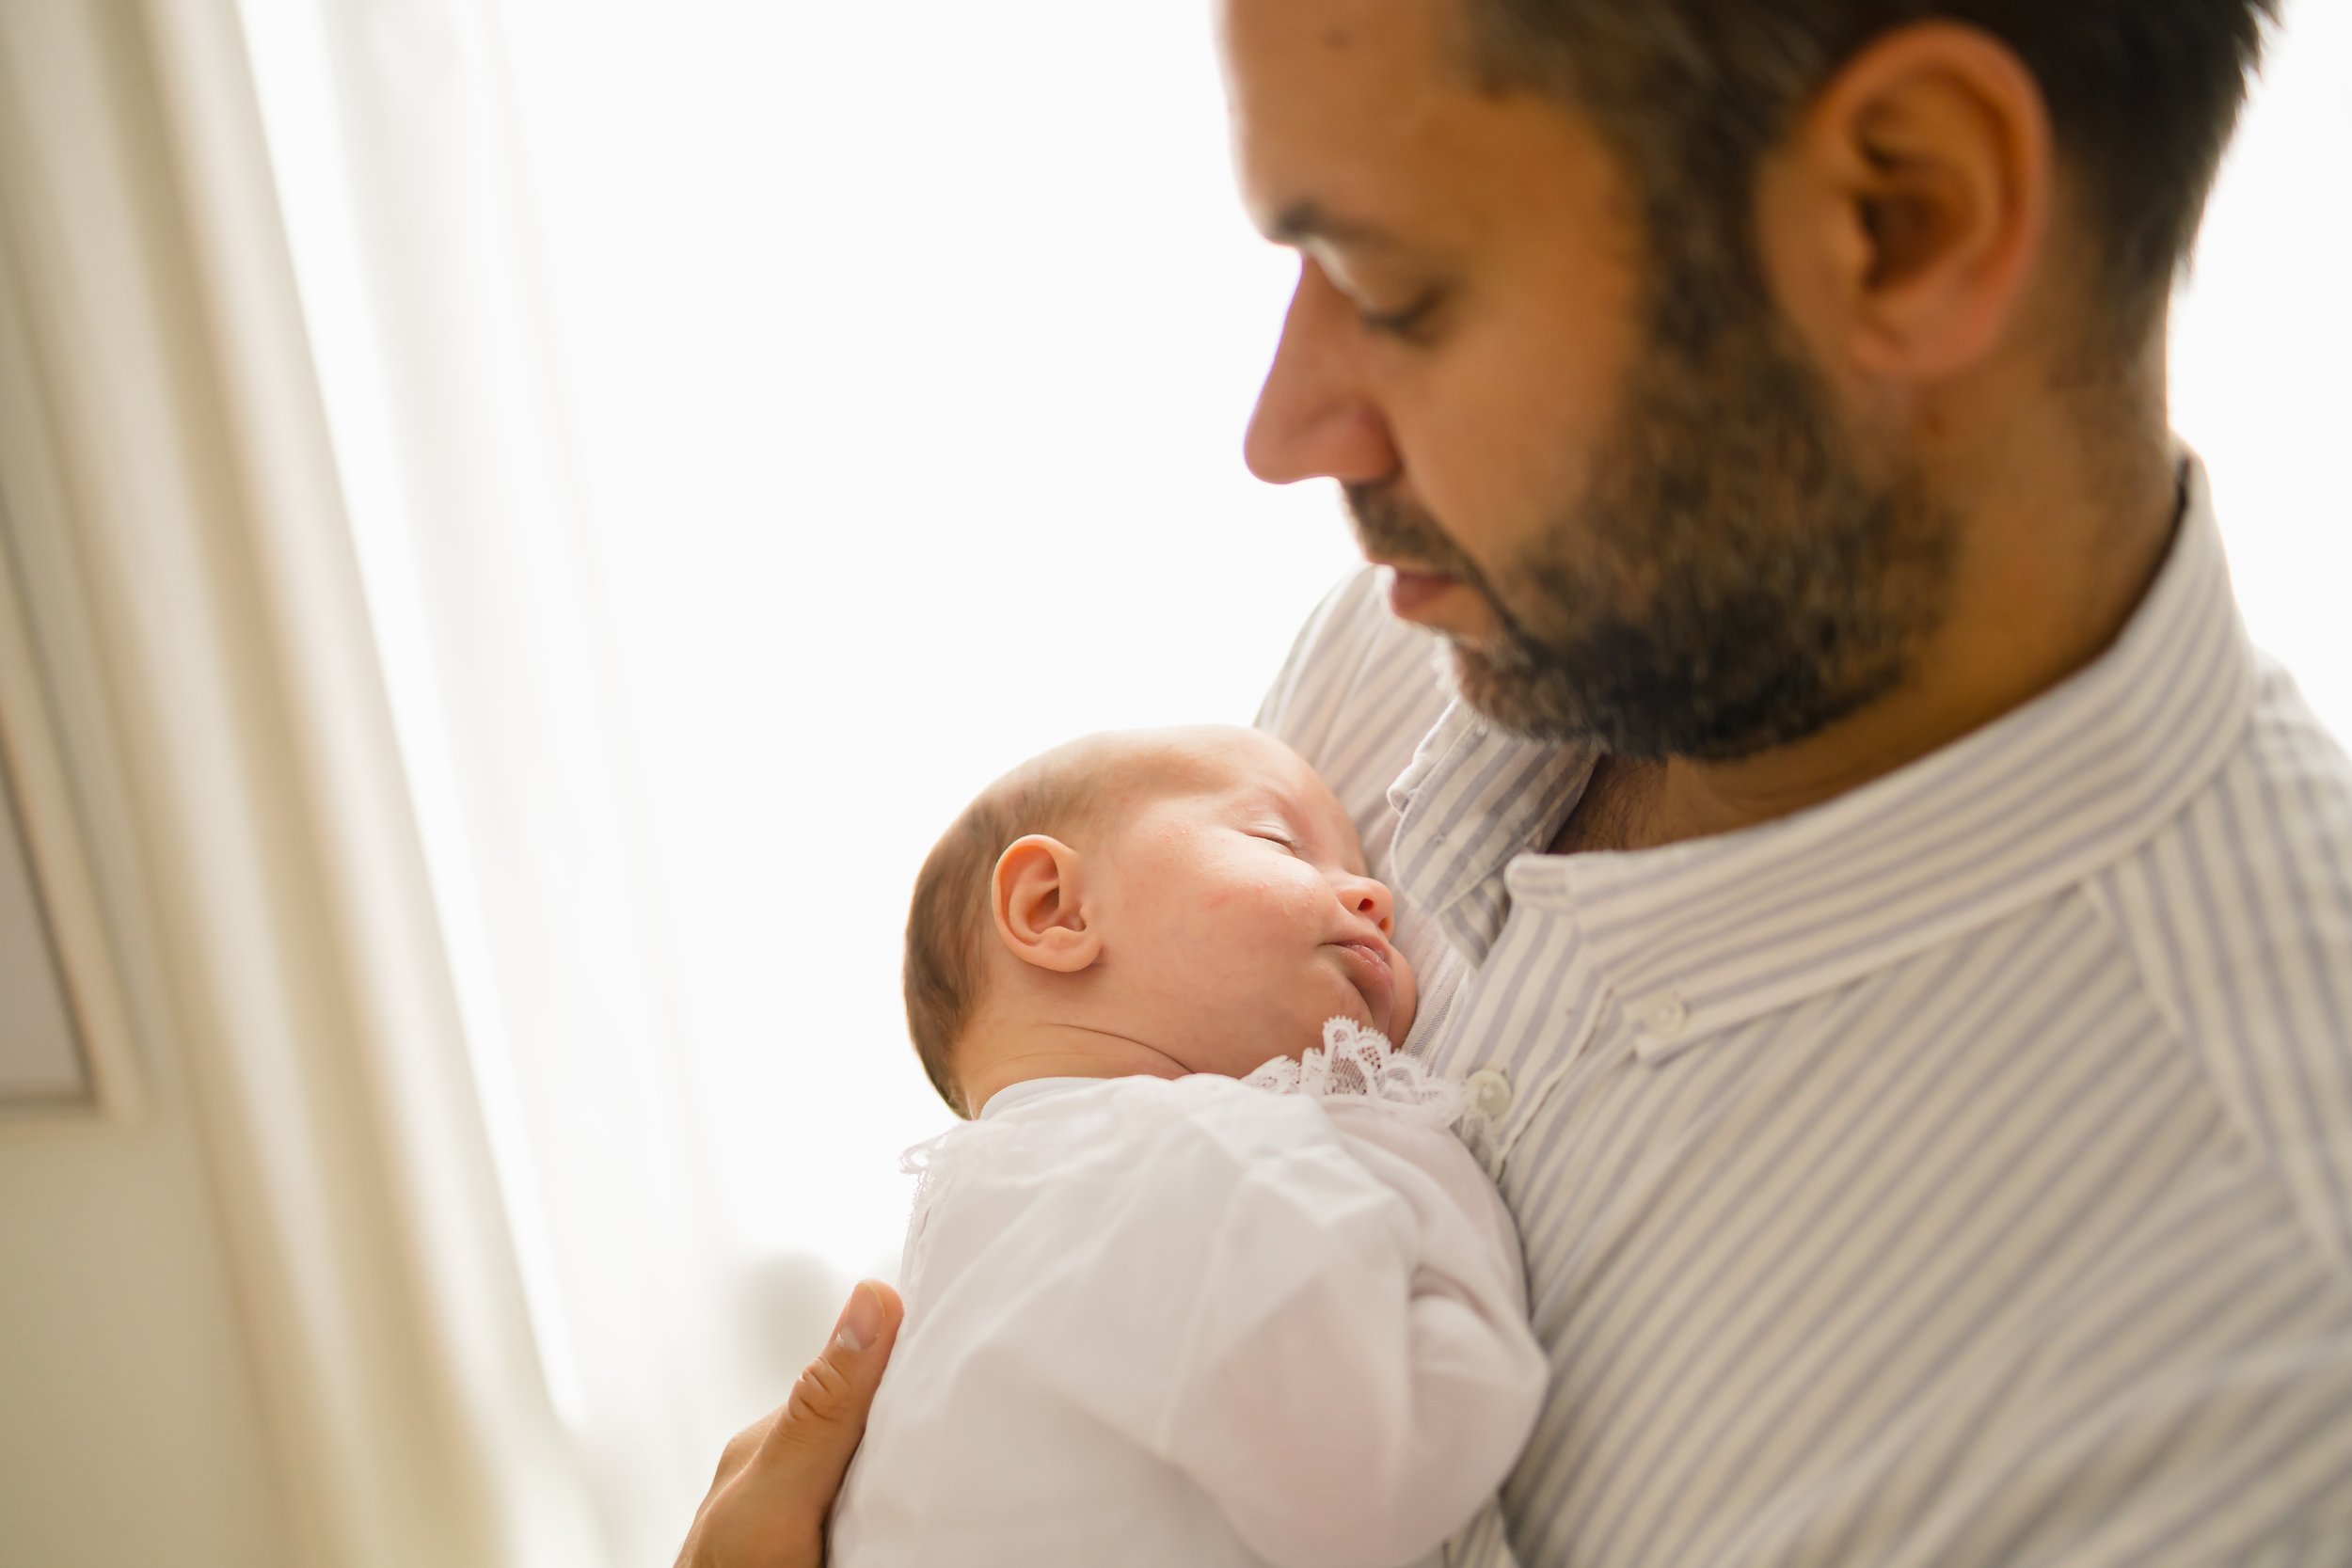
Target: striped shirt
{"x": 1957, "y": 1173}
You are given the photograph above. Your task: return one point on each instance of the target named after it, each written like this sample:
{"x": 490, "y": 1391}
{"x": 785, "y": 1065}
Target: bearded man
{"x": 1897, "y": 929}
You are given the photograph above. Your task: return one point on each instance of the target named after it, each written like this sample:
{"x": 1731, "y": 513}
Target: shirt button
{"x": 1490, "y": 1092}
{"x": 1662, "y": 1015}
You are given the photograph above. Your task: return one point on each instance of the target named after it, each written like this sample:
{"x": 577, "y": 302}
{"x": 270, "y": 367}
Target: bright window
{"x": 911, "y": 349}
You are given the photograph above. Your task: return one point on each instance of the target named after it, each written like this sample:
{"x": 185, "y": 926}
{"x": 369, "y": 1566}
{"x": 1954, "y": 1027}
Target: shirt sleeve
{"x": 1359, "y": 1376}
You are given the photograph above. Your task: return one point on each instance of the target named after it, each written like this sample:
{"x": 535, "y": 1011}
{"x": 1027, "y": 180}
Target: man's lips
{"x": 1370, "y": 970}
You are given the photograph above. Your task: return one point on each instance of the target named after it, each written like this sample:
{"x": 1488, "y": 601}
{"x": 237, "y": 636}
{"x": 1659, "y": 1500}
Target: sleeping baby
{"x": 1204, "y": 1279}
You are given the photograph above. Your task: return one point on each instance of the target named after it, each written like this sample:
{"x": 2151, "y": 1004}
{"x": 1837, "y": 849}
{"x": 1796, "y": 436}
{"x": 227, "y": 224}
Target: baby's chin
{"x": 1394, "y": 1025}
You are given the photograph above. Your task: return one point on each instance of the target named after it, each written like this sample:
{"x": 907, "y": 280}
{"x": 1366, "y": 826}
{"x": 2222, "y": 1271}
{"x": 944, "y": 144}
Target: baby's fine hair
{"x": 949, "y": 923}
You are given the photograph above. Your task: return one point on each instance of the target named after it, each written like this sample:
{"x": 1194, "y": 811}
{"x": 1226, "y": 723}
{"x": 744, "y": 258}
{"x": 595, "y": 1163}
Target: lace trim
{"x": 924, "y": 1162}
{"x": 1357, "y": 1061}
{"x": 1353, "y": 1061}
{"x": 919, "y": 1160}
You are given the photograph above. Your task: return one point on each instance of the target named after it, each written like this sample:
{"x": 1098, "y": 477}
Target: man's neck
{"x": 2020, "y": 626}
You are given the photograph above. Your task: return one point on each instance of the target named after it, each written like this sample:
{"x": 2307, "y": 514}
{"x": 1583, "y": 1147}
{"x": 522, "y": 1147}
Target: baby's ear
{"x": 1040, "y": 901}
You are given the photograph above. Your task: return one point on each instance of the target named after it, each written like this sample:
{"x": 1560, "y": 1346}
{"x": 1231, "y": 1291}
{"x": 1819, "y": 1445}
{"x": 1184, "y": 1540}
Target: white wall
{"x": 129, "y": 1431}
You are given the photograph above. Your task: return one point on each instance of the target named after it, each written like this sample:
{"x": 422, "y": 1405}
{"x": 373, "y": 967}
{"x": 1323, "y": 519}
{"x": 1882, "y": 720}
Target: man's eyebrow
{"x": 1306, "y": 222}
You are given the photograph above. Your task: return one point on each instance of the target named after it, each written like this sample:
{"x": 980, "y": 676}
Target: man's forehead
{"x": 1328, "y": 91}
{"x": 1358, "y": 34}
{"x": 1372, "y": 133}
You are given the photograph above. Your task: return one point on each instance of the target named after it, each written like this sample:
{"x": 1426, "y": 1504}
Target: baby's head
{"x": 1163, "y": 902}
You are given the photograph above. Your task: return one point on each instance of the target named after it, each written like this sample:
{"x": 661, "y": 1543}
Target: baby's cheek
{"x": 1224, "y": 934}
{"x": 1260, "y": 904}
{"x": 1255, "y": 930}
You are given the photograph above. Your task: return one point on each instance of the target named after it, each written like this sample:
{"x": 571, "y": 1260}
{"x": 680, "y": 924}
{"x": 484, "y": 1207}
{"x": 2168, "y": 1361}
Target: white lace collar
{"x": 1358, "y": 1063}
{"x": 1353, "y": 1063}
{"x": 1013, "y": 1096}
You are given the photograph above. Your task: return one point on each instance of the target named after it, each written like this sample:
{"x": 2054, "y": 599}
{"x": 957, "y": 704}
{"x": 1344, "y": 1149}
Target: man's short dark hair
{"x": 2143, "y": 96}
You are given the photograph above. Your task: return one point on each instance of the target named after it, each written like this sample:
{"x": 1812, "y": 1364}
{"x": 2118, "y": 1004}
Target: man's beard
{"x": 1731, "y": 581}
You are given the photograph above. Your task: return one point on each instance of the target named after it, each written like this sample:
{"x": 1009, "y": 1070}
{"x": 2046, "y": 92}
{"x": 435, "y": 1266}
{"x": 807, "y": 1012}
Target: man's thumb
{"x": 826, "y": 1415}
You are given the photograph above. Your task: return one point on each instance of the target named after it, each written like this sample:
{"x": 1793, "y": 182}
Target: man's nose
{"x": 1312, "y": 422}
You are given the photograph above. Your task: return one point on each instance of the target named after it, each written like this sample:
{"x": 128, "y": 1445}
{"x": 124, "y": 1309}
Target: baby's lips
{"x": 1373, "y": 973}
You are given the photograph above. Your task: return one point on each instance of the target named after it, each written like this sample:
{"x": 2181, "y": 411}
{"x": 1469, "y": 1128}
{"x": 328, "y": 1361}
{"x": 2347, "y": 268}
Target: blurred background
{"x": 522, "y": 520}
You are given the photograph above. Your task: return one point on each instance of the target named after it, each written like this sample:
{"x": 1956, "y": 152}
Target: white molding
{"x": 62, "y": 876}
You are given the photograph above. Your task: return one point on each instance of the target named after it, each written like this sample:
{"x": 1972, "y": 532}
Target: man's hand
{"x": 776, "y": 1480}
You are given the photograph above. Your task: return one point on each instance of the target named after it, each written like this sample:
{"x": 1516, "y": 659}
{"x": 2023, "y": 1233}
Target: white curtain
{"x": 412, "y": 248}
{"x": 309, "y": 851}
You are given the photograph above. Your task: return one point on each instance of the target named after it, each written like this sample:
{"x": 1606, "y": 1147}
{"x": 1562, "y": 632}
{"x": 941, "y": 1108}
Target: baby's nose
{"x": 1368, "y": 897}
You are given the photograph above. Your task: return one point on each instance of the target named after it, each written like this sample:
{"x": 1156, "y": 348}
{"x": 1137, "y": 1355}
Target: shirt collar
{"x": 1473, "y": 798}
{"x": 1697, "y": 937}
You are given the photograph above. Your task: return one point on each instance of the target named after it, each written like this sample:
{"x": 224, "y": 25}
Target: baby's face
{"x": 1237, "y": 912}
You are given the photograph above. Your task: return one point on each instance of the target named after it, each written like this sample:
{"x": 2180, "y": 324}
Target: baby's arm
{"x": 1359, "y": 1374}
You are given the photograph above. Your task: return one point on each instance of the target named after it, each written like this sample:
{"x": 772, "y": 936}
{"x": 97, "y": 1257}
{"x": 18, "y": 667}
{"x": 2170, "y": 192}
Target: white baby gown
{"x": 1200, "y": 1323}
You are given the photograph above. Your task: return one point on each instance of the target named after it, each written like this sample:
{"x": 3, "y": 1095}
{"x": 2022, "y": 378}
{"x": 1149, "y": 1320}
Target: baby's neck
{"x": 996, "y": 1058}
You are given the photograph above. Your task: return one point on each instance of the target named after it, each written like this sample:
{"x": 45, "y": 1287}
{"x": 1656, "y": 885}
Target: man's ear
{"x": 1040, "y": 900}
{"x": 1905, "y": 216}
